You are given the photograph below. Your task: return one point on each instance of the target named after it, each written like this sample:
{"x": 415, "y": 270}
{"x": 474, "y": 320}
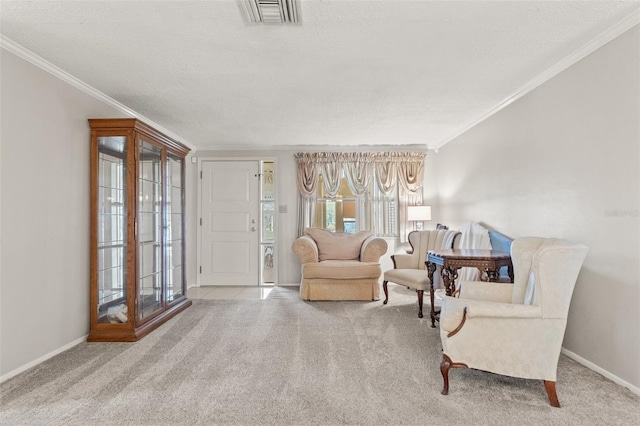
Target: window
{"x": 339, "y": 213}
{"x": 342, "y": 213}
{"x": 383, "y": 210}
{"x": 399, "y": 175}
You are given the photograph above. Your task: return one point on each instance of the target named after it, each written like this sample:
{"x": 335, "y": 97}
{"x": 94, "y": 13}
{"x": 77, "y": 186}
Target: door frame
{"x": 200, "y": 160}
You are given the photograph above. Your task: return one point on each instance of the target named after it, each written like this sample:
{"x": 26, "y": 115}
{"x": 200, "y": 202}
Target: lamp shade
{"x": 417, "y": 213}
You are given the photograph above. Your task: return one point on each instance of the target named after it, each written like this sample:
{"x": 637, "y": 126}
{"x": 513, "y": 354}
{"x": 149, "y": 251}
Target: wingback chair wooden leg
{"x": 445, "y": 365}
{"x": 551, "y": 393}
{"x": 386, "y": 292}
{"x": 420, "y": 297}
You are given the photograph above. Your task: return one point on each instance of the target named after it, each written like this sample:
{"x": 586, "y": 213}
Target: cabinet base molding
{"x": 122, "y": 333}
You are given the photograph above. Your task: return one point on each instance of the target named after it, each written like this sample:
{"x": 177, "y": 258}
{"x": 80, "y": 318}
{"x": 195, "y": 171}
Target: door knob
{"x": 253, "y": 229}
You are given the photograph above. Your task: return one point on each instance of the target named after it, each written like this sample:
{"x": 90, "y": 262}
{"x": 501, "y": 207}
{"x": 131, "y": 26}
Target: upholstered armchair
{"x": 339, "y": 266}
{"x": 514, "y": 329}
{"x": 409, "y": 269}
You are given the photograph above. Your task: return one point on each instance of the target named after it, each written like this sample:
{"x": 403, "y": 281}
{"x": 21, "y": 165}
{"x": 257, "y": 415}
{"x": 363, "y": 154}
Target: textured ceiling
{"x": 351, "y": 73}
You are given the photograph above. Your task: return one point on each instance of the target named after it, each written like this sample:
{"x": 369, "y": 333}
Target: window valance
{"x": 362, "y": 157}
{"x": 405, "y": 168}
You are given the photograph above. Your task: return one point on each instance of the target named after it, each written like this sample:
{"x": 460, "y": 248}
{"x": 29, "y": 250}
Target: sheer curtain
{"x": 307, "y": 182}
{"x": 331, "y": 173}
{"x": 386, "y": 176}
{"x": 358, "y": 173}
{"x": 410, "y": 177}
{"x": 404, "y": 170}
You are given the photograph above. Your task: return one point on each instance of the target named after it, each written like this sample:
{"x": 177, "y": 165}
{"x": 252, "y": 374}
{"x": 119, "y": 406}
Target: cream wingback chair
{"x": 409, "y": 270}
{"x": 515, "y": 330}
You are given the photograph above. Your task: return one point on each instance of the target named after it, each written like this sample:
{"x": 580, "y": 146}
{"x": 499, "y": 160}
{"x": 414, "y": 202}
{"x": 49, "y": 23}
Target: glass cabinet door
{"x": 174, "y": 255}
{"x": 150, "y": 268}
{"x": 112, "y": 230}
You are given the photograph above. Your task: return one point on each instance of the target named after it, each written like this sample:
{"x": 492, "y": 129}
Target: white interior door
{"x": 230, "y": 223}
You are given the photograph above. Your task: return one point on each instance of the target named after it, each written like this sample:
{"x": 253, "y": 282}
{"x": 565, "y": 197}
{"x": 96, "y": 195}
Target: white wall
{"x": 44, "y": 168}
{"x": 556, "y": 163}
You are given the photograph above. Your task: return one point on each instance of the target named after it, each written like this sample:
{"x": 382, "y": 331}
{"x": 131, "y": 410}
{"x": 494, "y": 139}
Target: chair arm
{"x": 488, "y": 291}
{"x": 306, "y": 249}
{"x": 483, "y": 309}
{"x": 403, "y": 261}
{"x": 372, "y": 249}
{"x": 455, "y": 312}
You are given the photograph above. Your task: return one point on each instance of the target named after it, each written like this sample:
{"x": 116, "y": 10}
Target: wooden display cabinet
{"x": 137, "y": 229}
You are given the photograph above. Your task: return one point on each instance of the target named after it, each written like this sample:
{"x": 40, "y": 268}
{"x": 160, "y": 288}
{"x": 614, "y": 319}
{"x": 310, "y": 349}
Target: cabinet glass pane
{"x": 175, "y": 200}
{"x": 112, "y": 225}
{"x": 150, "y": 297}
{"x": 149, "y": 197}
{"x": 174, "y": 288}
{"x": 150, "y": 262}
{"x": 175, "y": 225}
{"x": 174, "y": 254}
{"x": 149, "y": 229}
{"x": 174, "y": 258}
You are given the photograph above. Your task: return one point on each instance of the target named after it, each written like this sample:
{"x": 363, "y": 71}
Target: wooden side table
{"x": 488, "y": 262}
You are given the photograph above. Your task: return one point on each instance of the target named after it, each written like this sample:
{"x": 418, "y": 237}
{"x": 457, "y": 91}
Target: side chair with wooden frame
{"x": 514, "y": 329}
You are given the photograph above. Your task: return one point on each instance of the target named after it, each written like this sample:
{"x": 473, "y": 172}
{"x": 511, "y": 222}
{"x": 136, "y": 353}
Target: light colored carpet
{"x": 282, "y": 361}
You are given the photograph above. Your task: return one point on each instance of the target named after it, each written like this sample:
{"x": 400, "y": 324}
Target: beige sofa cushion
{"x": 337, "y": 245}
{"x": 341, "y": 270}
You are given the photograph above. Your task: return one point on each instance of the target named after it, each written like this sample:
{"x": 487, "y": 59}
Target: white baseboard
{"x": 43, "y": 358}
{"x": 577, "y": 358}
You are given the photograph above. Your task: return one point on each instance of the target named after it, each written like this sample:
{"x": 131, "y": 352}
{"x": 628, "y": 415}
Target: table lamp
{"x": 418, "y": 214}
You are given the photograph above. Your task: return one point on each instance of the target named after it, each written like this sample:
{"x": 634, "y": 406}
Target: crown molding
{"x": 616, "y": 30}
{"x": 312, "y": 148}
{"x": 29, "y": 56}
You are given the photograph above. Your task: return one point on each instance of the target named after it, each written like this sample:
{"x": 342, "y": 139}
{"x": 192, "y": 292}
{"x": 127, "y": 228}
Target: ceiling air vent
{"x": 270, "y": 11}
